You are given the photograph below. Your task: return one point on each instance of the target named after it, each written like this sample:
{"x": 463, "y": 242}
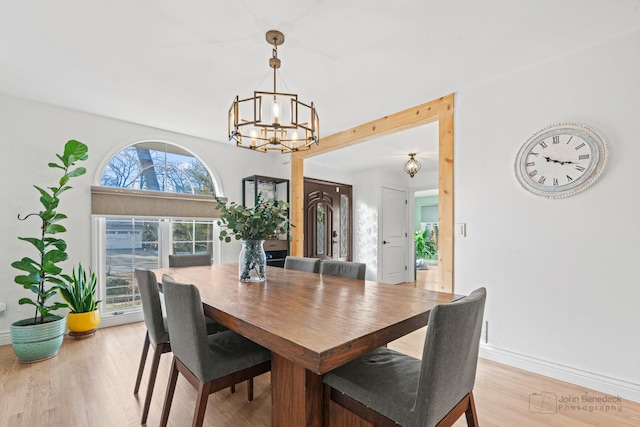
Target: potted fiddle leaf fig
{"x": 80, "y": 295}
{"x": 40, "y": 336}
{"x": 252, "y": 226}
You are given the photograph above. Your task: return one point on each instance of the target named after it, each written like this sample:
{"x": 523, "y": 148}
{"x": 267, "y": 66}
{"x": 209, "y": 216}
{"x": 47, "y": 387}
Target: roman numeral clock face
{"x": 561, "y": 160}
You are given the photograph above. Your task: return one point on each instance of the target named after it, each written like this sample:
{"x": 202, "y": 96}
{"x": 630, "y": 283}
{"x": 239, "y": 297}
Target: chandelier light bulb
{"x": 275, "y": 110}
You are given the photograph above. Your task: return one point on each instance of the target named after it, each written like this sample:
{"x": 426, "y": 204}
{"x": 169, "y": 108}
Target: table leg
{"x": 296, "y": 395}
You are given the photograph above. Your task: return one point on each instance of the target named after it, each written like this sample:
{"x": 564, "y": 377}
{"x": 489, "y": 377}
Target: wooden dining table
{"x": 312, "y": 323}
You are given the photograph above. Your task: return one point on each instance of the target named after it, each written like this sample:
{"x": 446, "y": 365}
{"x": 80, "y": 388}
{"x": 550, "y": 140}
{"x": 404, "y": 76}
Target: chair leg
{"x": 233, "y": 389}
{"x": 201, "y": 404}
{"x": 152, "y": 381}
{"x": 143, "y": 359}
{"x": 171, "y": 388}
{"x": 250, "y": 389}
{"x": 471, "y": 414}
{"x": 463, "y": 407}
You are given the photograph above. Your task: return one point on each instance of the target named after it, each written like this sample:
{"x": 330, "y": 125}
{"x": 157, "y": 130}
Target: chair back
{"x": 187, "y": 326}
{"x": 351, "y": 270}
{"x": 151, "y": 306}
{"x": 311, "y": 265}
{"x": 449, "y": 358}
{"x": 189, "y": 260}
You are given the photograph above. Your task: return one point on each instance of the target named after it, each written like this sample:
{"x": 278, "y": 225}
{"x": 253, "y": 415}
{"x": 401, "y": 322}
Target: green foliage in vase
{"x": 43, "y": 275}
{"x": 266, "y": 219}
{"x": 80, "y": 291}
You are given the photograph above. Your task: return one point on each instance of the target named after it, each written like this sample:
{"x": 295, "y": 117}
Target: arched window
{"x": 157, "y": 166}
{"x": 135, "y": 229}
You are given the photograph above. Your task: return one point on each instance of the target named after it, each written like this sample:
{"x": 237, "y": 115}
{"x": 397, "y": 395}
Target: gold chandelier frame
{"x": 289, "y": 125}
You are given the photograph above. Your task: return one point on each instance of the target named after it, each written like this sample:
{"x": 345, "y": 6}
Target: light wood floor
{"x": 426, "y": 279}
{"x": 90, "y": 383}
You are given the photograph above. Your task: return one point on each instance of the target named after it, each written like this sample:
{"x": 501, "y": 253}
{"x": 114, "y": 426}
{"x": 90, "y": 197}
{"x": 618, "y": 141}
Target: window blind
{"x": 126, "y": 202}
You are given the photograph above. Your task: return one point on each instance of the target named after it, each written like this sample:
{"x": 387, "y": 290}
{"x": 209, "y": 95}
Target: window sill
{"x": 130, "y": 316}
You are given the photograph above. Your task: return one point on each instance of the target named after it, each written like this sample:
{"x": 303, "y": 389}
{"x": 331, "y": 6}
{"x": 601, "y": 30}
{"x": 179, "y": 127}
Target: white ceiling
{"x": 389, "y": 151}
{"x": 177, "y": 65}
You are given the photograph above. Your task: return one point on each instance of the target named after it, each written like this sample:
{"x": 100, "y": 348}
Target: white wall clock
{"x": 561, "y": 160}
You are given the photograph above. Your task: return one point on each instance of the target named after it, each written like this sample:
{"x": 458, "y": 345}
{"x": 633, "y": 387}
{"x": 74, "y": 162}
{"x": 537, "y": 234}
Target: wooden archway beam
{"x": 439, "y": 110}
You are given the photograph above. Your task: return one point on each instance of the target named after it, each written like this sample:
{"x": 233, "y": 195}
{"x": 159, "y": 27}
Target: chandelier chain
{"x": 261, "y": 81}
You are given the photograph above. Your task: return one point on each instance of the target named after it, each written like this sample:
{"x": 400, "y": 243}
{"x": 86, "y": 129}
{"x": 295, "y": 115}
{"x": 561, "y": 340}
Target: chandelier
{"x": 412, "y": 166}
{"x": 273, "y": 120}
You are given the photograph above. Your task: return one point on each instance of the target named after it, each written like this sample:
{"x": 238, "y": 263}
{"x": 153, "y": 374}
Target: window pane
{"x": 203, "y": 248}
{"x": 429, "y": 213}
{"x": 182, "y": 231}
{"x": 182, "y": 248}
{"x": 130, "y": 244}
{"x": 320, "y": 229}
{"x": 204, "y": 231}
{"x": 344, "y": 225}
{"x": 157, "y": 166}
{"x": 192, "y": 237}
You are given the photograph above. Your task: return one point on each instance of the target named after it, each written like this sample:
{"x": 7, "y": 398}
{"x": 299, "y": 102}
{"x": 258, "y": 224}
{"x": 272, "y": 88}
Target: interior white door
{"x": 394, "y": 235}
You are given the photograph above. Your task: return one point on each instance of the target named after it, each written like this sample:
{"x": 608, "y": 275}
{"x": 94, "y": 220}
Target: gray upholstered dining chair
{"x": 194, "y": 260}
{"x": 189, "y": 260}
{"x": 209, "y": 363}
{"x": 157, "y": 334}
{"x": 311, "y": 265}
{"x": 387, "y": 388}
{"x": 352, "y": 270}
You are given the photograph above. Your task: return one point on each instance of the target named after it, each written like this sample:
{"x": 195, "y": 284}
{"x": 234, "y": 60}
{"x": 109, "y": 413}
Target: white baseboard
{"x": 105, "y": 322}
{"x": 592, "y": 380}
{"x": 5, "y": 337}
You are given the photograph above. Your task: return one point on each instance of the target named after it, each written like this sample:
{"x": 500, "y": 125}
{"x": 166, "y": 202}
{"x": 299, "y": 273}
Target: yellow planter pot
{"x": 83, "y": 322}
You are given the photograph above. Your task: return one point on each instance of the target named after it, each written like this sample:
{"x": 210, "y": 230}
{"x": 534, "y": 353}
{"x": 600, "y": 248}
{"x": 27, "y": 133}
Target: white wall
{"x": 367, "y": 195}
{"x": 327, "y": 174}
{"x": 561, "y": 275}
{"x": 30, "y": 136}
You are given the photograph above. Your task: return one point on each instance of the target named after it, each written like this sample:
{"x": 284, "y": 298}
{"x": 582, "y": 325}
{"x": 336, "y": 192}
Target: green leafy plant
{"x": 266, "y": 219}
{"x": 425, "y": 247}
{"x": 80, "y": 291}
{"x": 43, "y": 275}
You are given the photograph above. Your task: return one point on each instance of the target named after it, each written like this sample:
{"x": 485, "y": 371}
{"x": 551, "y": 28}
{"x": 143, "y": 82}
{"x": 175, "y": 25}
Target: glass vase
{"x": 252, "y": 263}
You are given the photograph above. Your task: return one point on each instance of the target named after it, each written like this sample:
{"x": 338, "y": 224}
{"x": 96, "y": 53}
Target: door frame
{"x": 439, "y": 110}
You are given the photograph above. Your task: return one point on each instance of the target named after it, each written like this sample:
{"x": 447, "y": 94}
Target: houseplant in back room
{"x": 80, "y": 295}
{"x": 40, "y": 337}
{"x": 252, "y": 226}
{"x": 426, "y": 248}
